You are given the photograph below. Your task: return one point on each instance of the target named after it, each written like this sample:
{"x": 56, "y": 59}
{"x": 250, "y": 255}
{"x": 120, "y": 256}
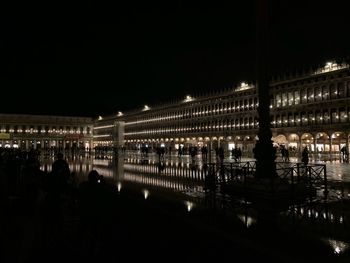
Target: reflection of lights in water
{"x": 338, "y": 246}
{"x": 119, "y": 186}
{"x": 341, "y": 219}
{"x": 247, "y": 220}
{"x": 189, "y": 205}
{"x": 145, "y": 193}
{"x": 154, "y": 182}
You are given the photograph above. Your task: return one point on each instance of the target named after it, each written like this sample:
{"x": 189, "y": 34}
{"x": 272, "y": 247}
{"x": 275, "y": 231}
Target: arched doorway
{"x": 280, "y": 140}
{"x": 293, "y": 144}
{"x": 338, "y": 141}
{"x": 322, "y": 142}
{"x": 307, "y": 140}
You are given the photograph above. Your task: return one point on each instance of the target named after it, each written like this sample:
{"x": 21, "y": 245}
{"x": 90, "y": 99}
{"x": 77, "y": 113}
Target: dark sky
{"x": 86, "y": 58}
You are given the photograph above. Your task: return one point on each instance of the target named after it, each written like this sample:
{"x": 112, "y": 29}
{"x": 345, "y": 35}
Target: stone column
{"x": 210, "y": 149}
{"x": 347, "y": 140}
{"x": 264, "y": 152}
{"x": 315, "y": 142}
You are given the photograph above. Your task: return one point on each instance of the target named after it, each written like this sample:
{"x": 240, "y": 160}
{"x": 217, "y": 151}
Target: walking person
{"x": 305, "y": 156}
{"x": 345, "y": 152}
{"x": 286, "y": 155}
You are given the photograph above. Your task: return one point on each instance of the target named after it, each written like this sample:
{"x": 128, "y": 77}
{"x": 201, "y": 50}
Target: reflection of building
{"x": 44, "y": 132}
{"x": 310, "y": 109}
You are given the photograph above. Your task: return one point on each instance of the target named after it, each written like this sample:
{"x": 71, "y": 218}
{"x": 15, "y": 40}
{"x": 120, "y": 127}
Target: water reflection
{"x": 189, "y": 205}
{"x": 247, "y": 220}
{"x": 119, "y": 186}
{"x": 324, "y": 219}
{"x": 338, "y": 246}
{"x": 145, "y": 193}
{"x": 327, "y": 212}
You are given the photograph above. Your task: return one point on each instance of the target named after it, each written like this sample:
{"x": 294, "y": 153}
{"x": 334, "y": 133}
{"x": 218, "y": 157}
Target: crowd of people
{"x": 48, "y": 197}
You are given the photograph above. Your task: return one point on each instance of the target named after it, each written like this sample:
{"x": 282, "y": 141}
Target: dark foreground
{"x": 108, "y": 226}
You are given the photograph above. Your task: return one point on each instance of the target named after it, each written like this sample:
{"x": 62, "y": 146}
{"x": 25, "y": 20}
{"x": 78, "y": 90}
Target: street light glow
{"x": 146, "y": 108}
{"x": 188, "y": 98}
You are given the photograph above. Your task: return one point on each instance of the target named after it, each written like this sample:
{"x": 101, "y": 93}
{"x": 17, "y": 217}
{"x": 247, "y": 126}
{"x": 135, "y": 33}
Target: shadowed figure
{"x": 57, "y": 182}
{"x": 305, "y": 156}
{"x": 96, "y": 201}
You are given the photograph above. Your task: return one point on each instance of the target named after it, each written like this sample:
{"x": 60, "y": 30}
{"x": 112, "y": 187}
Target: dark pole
{"x": 264, "y": 151}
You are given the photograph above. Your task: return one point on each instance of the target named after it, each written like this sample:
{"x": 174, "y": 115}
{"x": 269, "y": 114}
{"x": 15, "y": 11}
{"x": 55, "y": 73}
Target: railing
{"x": 296, "y": 176}
{"x": 293, "y": 180}
{"x": 221, "y": 174}
{"x": 296, "y": 173}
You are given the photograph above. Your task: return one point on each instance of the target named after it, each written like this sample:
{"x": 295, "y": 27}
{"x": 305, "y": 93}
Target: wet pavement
{"x": 162, "y": 213}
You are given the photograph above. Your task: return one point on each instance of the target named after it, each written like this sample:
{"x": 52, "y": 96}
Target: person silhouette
{"x": 96, "y": 205}
{"x": 345, "y": 152}
{"x": 305, "y": 156}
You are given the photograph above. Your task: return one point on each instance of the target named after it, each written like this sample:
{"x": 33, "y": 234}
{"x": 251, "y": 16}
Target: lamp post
{"x": 264, "y": 151}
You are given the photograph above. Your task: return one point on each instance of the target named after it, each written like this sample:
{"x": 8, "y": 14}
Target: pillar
{"x": 315, "y": 143}
{"x": 210, "y": 149}
{"x": 264, "y": 152}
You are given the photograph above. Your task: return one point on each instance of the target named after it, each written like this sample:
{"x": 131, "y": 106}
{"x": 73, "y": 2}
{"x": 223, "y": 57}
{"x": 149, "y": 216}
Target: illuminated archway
{"x": 307, "y": 140}
{"x": 322, "y": 142}
{"x": 338, "y": 141}
{"x": 280, "y": 140}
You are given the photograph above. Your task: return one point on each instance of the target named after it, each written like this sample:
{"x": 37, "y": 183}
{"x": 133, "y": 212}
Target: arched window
{"x": 333, "y": 91}
{"x": 325, "y": 93}
{"x": 341, "y": 90}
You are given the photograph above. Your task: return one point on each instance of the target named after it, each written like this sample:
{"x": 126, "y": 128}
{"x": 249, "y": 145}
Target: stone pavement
{"x": 129, "y": 228}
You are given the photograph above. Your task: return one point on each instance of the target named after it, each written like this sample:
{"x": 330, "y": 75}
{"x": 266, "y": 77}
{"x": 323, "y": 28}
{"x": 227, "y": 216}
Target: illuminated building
{"x": 307, "y": 109}
{"x": 45, "y": 132}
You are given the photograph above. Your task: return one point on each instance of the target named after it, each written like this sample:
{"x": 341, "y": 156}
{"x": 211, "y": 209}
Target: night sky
{"x": 88, "y": 59}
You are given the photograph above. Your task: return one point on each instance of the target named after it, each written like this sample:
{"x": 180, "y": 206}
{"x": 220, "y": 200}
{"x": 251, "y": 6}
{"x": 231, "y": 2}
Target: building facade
{"x": 45, "y": 132}
{"x": 309, "y": 109}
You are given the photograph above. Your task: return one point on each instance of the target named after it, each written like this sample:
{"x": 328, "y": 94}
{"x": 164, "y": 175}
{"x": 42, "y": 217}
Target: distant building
{"x": 45, "y": 132}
